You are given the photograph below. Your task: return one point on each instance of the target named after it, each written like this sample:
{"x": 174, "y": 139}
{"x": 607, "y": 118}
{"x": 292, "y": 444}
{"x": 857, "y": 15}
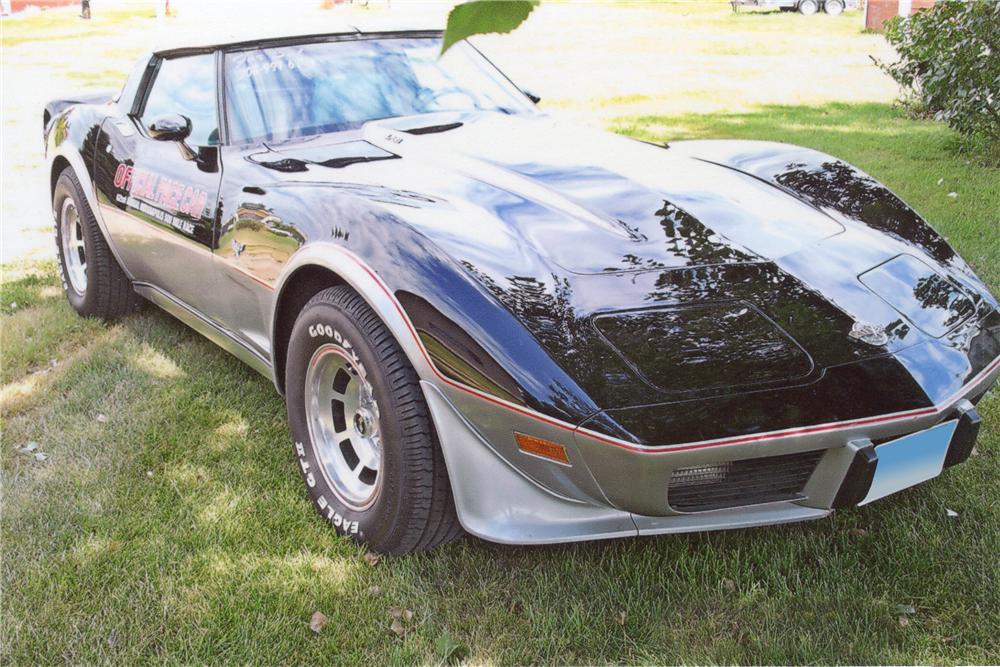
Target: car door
{"x": 159, "y": 196}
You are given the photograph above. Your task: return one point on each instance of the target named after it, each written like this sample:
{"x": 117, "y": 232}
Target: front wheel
{"x": 808, "y": 7}
{"x": 363, "y": 434}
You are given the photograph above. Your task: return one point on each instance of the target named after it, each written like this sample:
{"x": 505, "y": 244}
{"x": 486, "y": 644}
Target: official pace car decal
{"x": 160, "y": 197}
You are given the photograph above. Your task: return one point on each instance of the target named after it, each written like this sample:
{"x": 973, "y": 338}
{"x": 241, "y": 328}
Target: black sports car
{"x": 484, "y": 319}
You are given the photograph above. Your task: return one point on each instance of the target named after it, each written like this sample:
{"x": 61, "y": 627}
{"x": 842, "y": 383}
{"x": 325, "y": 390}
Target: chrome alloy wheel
{"x": 343, "y": 420}
{"x": 73, "y": 251}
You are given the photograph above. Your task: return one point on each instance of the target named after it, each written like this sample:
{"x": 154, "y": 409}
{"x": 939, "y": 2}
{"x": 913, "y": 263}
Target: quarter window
{"x": 186, "y": 86}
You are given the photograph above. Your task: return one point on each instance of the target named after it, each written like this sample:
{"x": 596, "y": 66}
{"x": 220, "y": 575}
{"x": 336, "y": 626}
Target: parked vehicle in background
{"x": 807, "y": 7}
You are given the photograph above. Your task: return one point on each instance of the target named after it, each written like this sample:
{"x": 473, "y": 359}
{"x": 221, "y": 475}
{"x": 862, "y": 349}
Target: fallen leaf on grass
{"x": 951, "y": 513}
{"x": 729, "y": 585}
{"x": 28, "y": 448}
{"x": 397, "y": 627}
{"x": 905, "y": 610}
{"x": 401, "y": 614}
{"x": 101, "y": 418}
{"x": 317, "y": 622}
{"x": 372, "y": 559}
{"x": 374, "y": 590}
{"x": 953, "y": 195}
{"x": 904, "y": 621}
{"x": 41, "y": 456}
{"x": 940, "y": 181}
{"x": 450, "y": 650}
{"x": 621, "y": 618}
{"x": 858, "y": 532}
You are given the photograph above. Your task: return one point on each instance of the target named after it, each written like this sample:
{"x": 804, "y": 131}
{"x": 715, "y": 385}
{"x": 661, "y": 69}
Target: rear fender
{"x": 66, "y": 139}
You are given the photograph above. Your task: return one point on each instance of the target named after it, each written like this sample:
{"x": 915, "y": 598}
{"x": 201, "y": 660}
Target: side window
{"x": 186, "y": 86}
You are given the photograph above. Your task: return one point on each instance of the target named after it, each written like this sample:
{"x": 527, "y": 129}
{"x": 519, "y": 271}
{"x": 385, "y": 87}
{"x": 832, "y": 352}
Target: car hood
{"x": 592, "y": 202}
{"x": 593, "y": 241}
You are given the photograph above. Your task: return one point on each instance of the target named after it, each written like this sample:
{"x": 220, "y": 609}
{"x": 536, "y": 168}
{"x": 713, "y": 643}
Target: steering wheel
{"x": 428, "y": 96}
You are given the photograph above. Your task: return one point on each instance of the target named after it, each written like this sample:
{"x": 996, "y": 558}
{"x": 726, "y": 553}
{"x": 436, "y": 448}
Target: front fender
{"x": 461, "y": 343}
{"x": 838, "y": 188}
{"x": 364, "y": 280}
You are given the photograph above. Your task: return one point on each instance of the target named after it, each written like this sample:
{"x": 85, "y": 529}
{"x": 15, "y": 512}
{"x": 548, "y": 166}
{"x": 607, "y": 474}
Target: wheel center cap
{"x": 363, "y": 422}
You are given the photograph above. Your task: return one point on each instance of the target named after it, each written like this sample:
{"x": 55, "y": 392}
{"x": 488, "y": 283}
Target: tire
{"x": 808, "y": 7}
{"x": 93, "y": 281}
{"x": 834, "y": 7}
{"x": 363, "y": 435}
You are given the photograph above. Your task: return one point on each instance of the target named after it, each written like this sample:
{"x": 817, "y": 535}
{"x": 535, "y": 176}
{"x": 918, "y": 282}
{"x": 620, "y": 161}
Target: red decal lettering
{"x": 123, "y": 176}
{"x": 176, "y": 191}
{"x": 163, "y": 192}
{"x": 149, "y": 187}
{"x": 200, "y": 206}
{"x": 138, "y": 181}
{"x": 185, "y": 206}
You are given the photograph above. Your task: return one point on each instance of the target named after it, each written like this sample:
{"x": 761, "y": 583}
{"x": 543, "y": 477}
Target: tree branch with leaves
{"x": 480, "y": 17}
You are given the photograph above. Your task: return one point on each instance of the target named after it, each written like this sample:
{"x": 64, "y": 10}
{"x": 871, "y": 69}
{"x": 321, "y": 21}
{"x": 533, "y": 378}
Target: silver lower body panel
{"x": 498, "y": 503}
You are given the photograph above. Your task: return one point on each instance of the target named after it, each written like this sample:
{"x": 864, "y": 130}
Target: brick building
{"x": 878, "y": 12}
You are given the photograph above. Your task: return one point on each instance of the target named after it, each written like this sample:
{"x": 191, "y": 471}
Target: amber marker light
{"x": 540, "y": 447}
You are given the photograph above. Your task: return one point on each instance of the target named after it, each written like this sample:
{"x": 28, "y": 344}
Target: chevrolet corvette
{"x": 483, "y": 319}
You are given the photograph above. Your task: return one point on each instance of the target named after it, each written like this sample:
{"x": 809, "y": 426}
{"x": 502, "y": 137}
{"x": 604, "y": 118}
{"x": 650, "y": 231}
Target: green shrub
{"x": 949, "y": 64}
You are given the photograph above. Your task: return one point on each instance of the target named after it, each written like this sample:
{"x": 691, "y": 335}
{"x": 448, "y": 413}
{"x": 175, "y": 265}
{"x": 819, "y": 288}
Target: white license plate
{"x": 910, "y": 460}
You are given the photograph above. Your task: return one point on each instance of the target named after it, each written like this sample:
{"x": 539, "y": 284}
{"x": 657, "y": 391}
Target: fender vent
{"x": 739, "y": 483}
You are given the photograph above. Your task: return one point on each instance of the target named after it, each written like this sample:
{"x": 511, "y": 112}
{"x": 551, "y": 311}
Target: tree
{"x": 949, "y": 64}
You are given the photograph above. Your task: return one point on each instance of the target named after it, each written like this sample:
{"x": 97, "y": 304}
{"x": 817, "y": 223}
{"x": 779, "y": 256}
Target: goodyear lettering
{"x": 321, "y": 329}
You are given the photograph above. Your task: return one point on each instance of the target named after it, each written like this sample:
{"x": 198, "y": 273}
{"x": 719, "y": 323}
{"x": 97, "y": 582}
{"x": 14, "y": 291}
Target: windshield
{"x": 282, "y": 92}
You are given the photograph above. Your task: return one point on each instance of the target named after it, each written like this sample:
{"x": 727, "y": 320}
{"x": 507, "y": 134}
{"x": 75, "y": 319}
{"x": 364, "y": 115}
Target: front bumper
{"x": 869, "y": 478}
{"x": 505, "y": 495}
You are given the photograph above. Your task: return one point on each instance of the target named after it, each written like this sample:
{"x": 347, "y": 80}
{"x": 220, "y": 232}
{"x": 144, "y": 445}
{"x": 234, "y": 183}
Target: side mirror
{"x": 531, "y": 96}
{"x": 173, "y": 127}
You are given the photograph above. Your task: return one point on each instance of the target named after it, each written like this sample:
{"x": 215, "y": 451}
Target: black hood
{"x": 667, "y": 273}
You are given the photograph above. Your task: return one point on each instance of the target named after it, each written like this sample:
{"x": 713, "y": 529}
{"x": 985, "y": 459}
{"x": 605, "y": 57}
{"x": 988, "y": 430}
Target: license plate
{"x": 910, "y": 460}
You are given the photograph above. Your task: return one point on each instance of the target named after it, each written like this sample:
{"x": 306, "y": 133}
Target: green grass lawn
{"x": 177, "y": 529}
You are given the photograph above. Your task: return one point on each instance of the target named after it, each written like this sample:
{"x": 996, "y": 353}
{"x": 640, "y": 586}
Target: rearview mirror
{"x": 173, "y": 127}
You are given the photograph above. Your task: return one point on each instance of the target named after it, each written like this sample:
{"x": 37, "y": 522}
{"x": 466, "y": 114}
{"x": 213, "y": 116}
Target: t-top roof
{"x": 243, "y": 41}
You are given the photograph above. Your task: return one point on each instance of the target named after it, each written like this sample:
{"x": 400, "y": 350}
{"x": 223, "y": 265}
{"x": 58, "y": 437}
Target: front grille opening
{"x": 739, "y": 483}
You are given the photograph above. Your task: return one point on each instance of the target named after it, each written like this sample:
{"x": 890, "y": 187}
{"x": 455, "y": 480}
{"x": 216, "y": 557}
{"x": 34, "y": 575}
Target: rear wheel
{"x": 808, "y": 7}
{"x": 363, "y": 435}
{"x": 93, "y": 281}
{"x": 834, "y": 7}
